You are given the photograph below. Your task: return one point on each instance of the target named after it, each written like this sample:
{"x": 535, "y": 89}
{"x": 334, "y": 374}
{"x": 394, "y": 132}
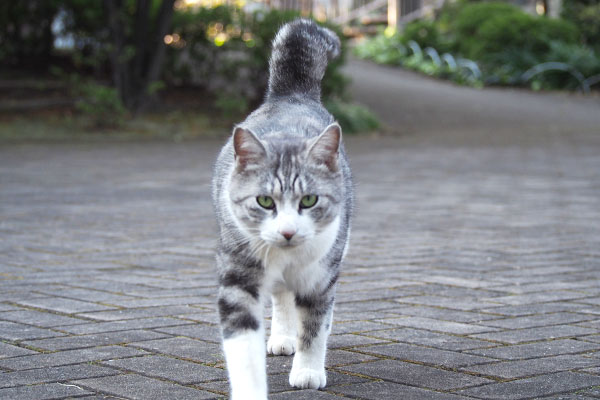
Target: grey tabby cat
{"x": 283, "y": 196}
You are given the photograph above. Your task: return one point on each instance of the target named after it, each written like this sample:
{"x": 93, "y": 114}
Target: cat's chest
{"x": 301, "y": 268}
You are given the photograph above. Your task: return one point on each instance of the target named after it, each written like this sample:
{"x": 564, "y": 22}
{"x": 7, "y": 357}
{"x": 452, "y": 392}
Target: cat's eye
{"x": 308, "y": 201}
{"x": 266, "y": 202}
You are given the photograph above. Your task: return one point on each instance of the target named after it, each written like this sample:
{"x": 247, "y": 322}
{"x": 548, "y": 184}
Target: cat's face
{"x": 286, "y": 192}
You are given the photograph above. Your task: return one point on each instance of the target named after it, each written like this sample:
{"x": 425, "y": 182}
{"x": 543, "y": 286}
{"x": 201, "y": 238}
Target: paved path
{"x": 473, "y": 273}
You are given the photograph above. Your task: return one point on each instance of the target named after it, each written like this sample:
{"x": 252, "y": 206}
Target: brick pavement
{"x": 473, "y": 273}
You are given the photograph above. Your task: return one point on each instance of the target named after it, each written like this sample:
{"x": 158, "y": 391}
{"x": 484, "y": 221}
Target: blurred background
{"x": 187, "y": 68}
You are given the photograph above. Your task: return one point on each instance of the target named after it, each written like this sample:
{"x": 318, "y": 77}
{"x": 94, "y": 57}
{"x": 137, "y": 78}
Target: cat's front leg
{"x": 241, "y": 316}
{"x": 315, "y": 317}
{"x": 283, "y": 324}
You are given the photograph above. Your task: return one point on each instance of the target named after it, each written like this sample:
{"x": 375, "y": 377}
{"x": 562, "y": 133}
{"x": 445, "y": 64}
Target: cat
{"x": 283, "y": 197}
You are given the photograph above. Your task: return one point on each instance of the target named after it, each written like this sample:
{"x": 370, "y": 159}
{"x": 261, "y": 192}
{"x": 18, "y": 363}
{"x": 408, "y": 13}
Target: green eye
{"x": 266, "y": 202}
{"x": 308, "y": 201}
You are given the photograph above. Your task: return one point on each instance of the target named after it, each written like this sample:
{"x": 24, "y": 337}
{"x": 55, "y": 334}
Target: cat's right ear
{"x": 247, "y": 147}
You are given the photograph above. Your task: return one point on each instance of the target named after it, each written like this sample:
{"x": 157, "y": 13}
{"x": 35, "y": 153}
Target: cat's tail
{"x": 301, "y": 51}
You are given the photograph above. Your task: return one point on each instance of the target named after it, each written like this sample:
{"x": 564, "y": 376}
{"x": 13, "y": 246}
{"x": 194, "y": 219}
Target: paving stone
{"x": 438, "y": 325}
{"x": 40, "y": 319}
{"x": 209, "y": 333}
{"x": 69, "y": 357}
{"x": 540, "y": 297}
{"x": 595, "y": 301}
{"x": 573, "y": 396}
{"x": 7, "y": 307}
{"x": 389, "y": 390}
{"x": 279, "y": 364}
{"x": 593, "y": 391}
{"x": 184, "y": 348}
{"x": 533, "y": 334}
{"x": 534, "y": 387}
{"x": 103, "y": 339}
{"x": 60, "y": 304}
{"x": 541, "y": 287}
{"x": 171, "y": 369}
{"x": 344, "y": 357}
{"x": 14, "y": 331}
{"x": 96, "y": 296}
{"x": 143, "y": 388}
{"x": 134, "y": 313}
{"x": 431, "y": 339}
{"x": 426, "y": 355}
{"x": 451, "y": 303}
{"x": 539, "y": 349}
{"x": 305, "y": 395}
{"x": 415, "y": 375}
{"x": 356, "y": 327}
{"x": 162, "y": 301}
{"x": 115, "y": 326}
{"x": 8, "y": 350}
{"x": 535, "y": 366}
{"x": 538, "y": 308}
{"x": 444, "y": 314}
{"x": 47, "y": 391}
{"x": 207, "y": 317}
{"x": 349, "y": 340}
{"x": 54, "y": 374}
{"x": 539, "y": 320}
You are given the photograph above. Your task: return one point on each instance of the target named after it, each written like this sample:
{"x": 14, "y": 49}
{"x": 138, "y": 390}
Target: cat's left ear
{"x": 326, "y": 147}
{"x": 248, "y": 148}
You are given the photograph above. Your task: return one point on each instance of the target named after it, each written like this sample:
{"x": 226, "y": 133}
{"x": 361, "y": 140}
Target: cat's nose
{"x": 288, "y": 233}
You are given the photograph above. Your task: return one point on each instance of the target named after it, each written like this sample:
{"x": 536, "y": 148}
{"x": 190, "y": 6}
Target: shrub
{"x": 425, "y": 33}
{"x": 489, "y": 31}
{"x": 226, "y": 51}
{"x": 352, "y": 117}
{"x": 101, "y": 104}
{"x": 586, "y": 15}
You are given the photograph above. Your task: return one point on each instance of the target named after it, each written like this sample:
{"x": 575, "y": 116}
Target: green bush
{"x": 425, "y": 33}
{"x": 581, "y": 58}
{"x": 586, "y": 15}
{"x": 226, "y": 51}
{"x": 101, "y": 104}
{"x": 352, "y": 117}
{"x": 382, "y": 48}
{"x": 488, "y": 32}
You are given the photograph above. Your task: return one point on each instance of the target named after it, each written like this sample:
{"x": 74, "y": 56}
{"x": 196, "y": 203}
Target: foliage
{"x": 226, "y": 51}
{"x": 586, "y": 15}
{"x": 26, "y": 32}
{"x": 391, "y": 49}
{"x": 503, "y": 28}
{"x": 352, "y": 117}
{"x": 425, "y": 33}
{"x": 503, "y": 40}
{"x": 100, "y": 103}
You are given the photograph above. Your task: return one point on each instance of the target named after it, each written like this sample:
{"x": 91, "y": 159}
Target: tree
{"x": 137, "y": 48}
{"x": 26, "y": 38}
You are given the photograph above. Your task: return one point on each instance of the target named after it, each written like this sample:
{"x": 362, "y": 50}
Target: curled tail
{"x": 301, "y": 51}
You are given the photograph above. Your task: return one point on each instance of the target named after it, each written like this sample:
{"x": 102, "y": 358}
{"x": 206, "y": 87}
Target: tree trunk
{"x": 137, "y": 59}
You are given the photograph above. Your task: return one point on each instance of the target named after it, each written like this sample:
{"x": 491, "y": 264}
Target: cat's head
{"x": 286, "y": 190}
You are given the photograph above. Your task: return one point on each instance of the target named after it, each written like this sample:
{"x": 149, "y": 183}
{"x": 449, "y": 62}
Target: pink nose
{"x": 288, "y": 234}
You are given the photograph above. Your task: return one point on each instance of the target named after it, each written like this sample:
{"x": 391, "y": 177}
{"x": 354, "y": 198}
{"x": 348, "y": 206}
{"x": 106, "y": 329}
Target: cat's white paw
{"x": 306, "y": 378}
{"x": 281, "y": 345}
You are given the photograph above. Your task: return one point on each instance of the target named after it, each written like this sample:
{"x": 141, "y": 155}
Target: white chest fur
{"x": 299, "y": 268}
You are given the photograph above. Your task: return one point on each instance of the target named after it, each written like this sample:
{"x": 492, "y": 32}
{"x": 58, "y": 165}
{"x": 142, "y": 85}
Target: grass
{"x": 175, "y": 126}
{"x": 55, "y": 126}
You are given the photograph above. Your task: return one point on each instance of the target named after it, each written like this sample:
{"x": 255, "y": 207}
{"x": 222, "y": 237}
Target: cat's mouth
{"x": 288, "y": 244}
